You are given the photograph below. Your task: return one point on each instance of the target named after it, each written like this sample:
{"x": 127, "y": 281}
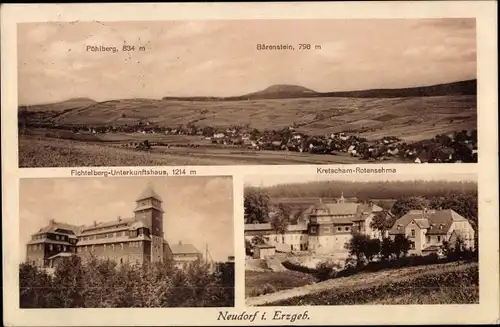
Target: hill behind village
{"x": 411, "y": 114}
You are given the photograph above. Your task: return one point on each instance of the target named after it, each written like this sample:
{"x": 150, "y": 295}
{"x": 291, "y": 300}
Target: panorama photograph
{"x": 247, "y": 92}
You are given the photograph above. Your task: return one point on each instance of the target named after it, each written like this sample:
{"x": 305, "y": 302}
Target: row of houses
{"x": 328, "y": 227}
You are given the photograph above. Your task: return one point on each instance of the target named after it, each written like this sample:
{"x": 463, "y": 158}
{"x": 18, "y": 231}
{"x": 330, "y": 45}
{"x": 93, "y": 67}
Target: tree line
{"x": 103, "y": 284}
{"x": 372, "y": 189}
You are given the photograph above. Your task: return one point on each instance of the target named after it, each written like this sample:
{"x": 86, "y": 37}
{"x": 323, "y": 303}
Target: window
{"x": 428, "y": 239}
{"x": 313, "y": 229}
{"x": 327, "y": 229}
{"x": 104, "y": 247}
{"x": 346, "y": 228}
{"x": 64, "y": 248}
{"x": 413, "y": 245}
{"x": 59, "y": 248}
{"x": 339, "y": 229}
{"x": 439, "y": 238}
{"x": 121, "y": 244}
{"x": 412, "y": 233}
{"x": 57, "y": 237}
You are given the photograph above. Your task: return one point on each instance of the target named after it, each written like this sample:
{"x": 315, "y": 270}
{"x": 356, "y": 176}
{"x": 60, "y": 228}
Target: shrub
{"x": 265, "y": 289}
{"x": 327, "y": 269}
{"x": 297, "y": 267}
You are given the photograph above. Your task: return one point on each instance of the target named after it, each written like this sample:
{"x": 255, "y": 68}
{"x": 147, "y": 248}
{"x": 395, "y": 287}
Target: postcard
{"x": 235, "y": 164}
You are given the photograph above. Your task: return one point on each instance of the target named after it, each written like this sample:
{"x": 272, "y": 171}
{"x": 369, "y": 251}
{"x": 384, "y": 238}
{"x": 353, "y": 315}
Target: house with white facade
{"x": 428, "y": 229}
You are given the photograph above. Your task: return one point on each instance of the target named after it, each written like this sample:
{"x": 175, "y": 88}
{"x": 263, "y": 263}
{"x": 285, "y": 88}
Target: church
{"x": 139, "y": 239}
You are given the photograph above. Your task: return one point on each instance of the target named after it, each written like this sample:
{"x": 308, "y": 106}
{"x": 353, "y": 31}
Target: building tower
{"x": 148, "y": 210}
{"x": 342, "y": 199}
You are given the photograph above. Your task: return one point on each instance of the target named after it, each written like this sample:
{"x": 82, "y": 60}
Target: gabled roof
{"x": 435, "y": 221}
{"x": 422, "y": 223}
{"x": 183, "y": 249}
{"x": 54, "y": 225}
{"x": 337, "y": 208}
{"x": 148, "y": 193}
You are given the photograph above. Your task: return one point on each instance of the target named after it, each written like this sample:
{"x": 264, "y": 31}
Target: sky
{"x": 219, "y": 57}
{"x": 271, "y": 180}
{"x": 198, "y": 210}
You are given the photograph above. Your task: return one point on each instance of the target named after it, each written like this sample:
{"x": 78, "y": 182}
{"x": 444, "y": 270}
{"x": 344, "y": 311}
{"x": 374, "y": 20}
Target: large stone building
{"x": 138, "y": 239}
{"x": 428, "y": 229}
{"x": 326, "y": 228}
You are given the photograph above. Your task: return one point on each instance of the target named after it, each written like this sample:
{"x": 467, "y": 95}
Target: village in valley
{"x": 456, "y": 147}
{"x": 305, "y": 250}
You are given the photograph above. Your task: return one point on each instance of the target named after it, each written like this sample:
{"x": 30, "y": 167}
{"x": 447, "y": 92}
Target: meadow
{"x": 409, "y": 118}
{"x": 42, "y": 151}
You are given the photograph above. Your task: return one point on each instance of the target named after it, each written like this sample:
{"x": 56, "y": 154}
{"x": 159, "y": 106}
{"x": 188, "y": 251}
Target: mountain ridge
{"x": 283, "y": 91}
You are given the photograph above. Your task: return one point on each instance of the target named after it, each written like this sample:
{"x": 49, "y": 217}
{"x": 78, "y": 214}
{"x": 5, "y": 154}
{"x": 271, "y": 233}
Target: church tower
{"x": 149, "y": 210}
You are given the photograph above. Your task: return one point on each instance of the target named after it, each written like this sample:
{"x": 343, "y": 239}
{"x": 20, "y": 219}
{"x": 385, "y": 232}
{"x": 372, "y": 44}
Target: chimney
{"x": 180, "y": 242}
{"x": 119, "y": 218}
{"x": 52, "y": 221}
{"x": 95, "y": 223}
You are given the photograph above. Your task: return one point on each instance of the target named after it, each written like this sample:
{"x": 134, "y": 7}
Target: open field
{"x": 455, "y": 282}
{"x": 37, "y": 151}
{"x": 409, "y": 118}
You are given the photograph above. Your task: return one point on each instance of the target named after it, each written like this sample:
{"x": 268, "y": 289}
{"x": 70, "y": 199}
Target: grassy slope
{"x": 255, "y": 280}
{"x": 63, "y": 105}
{"x": 411, "y": 118}
{"x": 432, "y": 284}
